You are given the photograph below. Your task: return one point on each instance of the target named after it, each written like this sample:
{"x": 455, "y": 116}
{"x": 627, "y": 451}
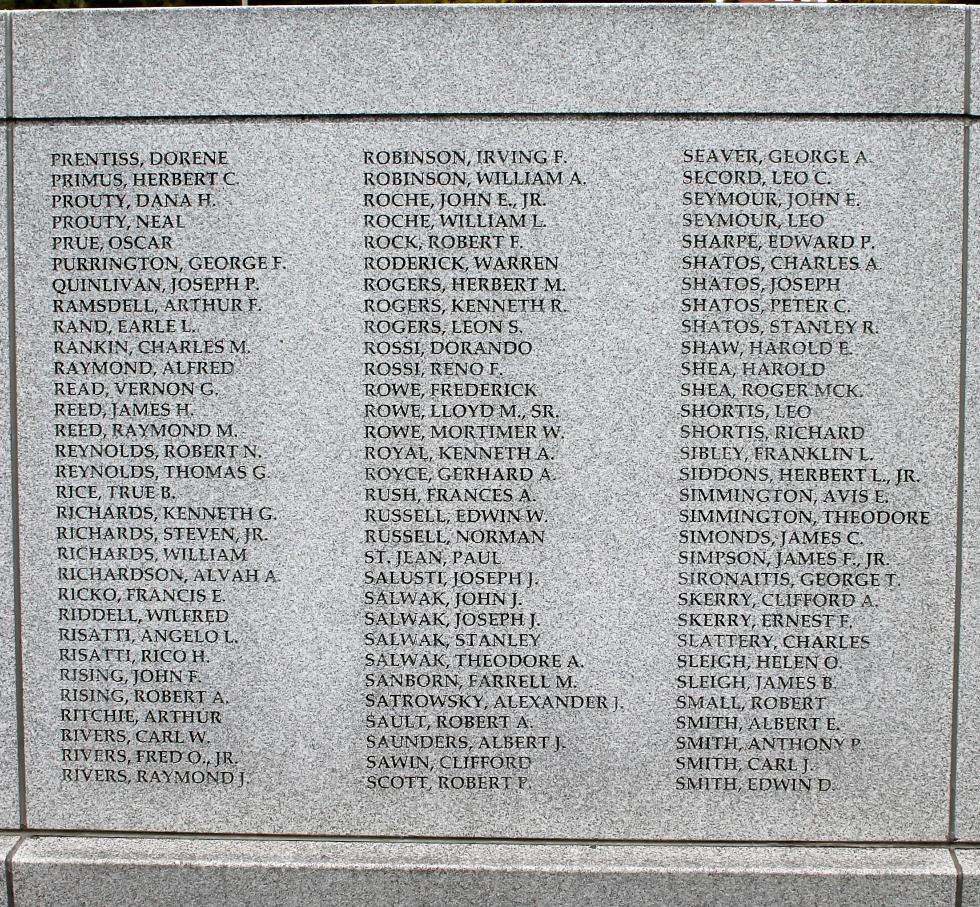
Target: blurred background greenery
{"x": 120, "y": 4}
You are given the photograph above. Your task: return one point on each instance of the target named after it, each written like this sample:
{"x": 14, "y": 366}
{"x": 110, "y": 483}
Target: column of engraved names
{"x": 462, "y": 690}
{"x": 783, "y": 491}
{"x": 146, "y": 338}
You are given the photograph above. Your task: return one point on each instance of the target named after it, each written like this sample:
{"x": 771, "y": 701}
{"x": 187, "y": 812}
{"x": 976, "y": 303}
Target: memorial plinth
{"x": 489, "y": 455}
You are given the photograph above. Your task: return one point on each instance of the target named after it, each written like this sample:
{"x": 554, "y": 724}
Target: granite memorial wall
{"x": 491, "y": 455}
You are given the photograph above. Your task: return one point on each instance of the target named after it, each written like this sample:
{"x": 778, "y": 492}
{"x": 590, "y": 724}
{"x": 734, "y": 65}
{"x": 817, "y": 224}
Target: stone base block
{"x": 85, "y": 871}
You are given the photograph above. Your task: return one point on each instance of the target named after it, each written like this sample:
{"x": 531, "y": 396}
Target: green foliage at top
{"x": 387, "y": 2}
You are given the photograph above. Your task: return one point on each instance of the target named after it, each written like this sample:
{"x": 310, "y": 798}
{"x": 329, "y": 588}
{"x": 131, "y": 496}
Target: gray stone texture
{"x": 489, "y": 59}
{"x": 58, "y": 872}
{"x": 293, "y": 681}
{"x": 974, "y": 59}
{"x": 9, "y": 786}
{"x": 7, "y": 843}
{"x": 969, "y": 860}
{"x": 967, "y": 820}
{"x": 6, "y": 24}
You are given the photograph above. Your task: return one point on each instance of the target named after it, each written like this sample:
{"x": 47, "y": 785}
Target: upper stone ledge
{"x": 506, "y": 59}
